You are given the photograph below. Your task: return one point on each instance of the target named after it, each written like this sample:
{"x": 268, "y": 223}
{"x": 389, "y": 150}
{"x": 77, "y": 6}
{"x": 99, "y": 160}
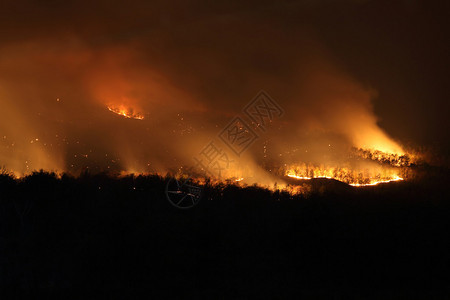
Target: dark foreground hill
{"x": 98, "y": 236}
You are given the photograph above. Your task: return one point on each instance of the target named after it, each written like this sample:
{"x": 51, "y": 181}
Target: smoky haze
{"x": 187, "y": 69}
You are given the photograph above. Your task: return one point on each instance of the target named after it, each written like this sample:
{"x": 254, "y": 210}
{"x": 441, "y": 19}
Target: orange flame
{"x": 375, "y": 167}
{"x": 125, "y": 112}
{"x": 349, "y": 176}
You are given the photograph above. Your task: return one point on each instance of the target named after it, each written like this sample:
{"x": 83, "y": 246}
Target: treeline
{"x": 98, "y": 234}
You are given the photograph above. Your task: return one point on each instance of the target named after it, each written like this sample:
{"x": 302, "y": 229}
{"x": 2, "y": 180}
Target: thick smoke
{"x": 188, "y": 71}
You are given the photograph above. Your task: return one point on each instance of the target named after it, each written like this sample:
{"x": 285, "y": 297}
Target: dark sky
{"x": 402, "y": 49}
{"x": 312, "y": 56}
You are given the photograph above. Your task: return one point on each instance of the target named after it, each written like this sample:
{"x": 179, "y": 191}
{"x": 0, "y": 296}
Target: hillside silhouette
{"x": 98, "y": 234}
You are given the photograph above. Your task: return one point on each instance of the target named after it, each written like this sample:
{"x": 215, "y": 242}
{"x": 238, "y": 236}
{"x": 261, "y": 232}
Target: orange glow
{"x": 396, "y": 178}
{"x": 45, "y": 134}
{"x": 355, "y": 177}
{"x": 125, "y": 112}
{"x": 372, "y": 181}
{"x": 393, "y": 159}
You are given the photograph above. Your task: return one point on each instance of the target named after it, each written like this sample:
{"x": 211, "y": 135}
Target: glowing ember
{"x": 125, "y": 112}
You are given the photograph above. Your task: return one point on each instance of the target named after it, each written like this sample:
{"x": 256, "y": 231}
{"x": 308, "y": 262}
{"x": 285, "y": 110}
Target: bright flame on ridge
{"x": 125, "y": 112}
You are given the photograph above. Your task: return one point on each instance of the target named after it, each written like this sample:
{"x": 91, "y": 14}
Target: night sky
{"x": 384, "y": 62}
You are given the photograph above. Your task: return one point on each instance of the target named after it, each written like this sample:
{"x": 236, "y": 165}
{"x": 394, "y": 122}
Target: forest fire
{"x": 393, "y": 159}
{"x": 225, "y": 149}
{"x": 346, "y": 176}
{"x": 396, "y": 178}
{"x": 316, "y": 127}
{"x": 375, "y": 169}
{"x": 125, "y": 112}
